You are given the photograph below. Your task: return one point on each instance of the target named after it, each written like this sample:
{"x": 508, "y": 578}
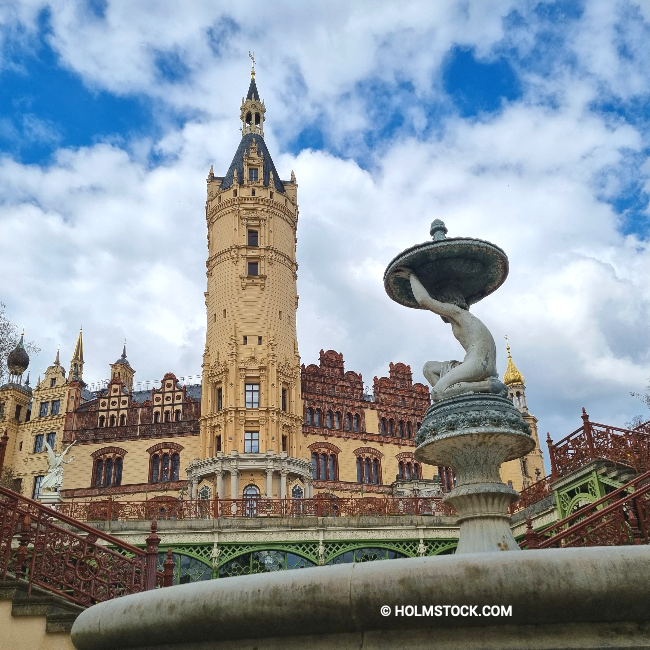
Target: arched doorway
{"x": 251, "y": 498}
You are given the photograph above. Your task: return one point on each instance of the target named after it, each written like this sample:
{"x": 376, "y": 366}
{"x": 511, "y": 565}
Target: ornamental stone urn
{"x": 471, "y": 426}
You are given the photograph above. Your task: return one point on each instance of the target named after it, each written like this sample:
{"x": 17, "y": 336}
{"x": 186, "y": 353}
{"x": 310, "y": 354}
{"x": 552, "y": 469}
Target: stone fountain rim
{"x": 546, "y": 588}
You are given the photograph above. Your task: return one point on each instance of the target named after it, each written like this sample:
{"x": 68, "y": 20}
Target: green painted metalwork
{"x": 200, "y": 561}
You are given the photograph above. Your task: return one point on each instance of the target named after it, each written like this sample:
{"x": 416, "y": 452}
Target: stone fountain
{"x": 471, "y": 426}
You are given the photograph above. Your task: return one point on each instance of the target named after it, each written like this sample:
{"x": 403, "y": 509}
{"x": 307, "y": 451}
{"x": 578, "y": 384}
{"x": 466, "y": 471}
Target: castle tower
{"x": 251, "y": 410}
{"x": 530, "y": 468}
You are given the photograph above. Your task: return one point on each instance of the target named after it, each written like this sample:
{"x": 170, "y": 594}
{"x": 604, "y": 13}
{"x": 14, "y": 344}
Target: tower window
{"x": 253, "y": 268}
{"x": 257, "y": 119}
{"x": 245, "y": 340}
{"x": 234, "y": 193}
{"x": 284, "y": 399}
{"x": 251, "y": 442}
{"x": 270, "y": 195}
{"x": 56, "y": 405}
{"x": 224, "y": 313}
{"x": 259, "y": 340}
{"x": 253, "y": 239}
{"x": 252, "y": 396}
{"x": 252, "y": 174}
{"x": 219, "y": 398}
{"x": 252, "y": 192}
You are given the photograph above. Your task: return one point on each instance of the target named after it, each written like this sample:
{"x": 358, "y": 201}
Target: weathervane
{"x": 252, "y": 56}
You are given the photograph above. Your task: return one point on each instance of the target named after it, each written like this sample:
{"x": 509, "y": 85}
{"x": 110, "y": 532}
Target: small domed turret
{"x": 17, "y": 361}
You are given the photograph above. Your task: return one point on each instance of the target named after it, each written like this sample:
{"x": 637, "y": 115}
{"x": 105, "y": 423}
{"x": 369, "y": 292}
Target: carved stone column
{"x": 309, "y": 489}
{"x": 269, "y": 484}
{"x": 283, "y": 484}
{"x": 234, "y": 483}
{"x": 220, "y": 488}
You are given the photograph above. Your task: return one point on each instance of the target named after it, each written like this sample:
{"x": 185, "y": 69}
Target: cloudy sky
{"x": 525, "y": 123}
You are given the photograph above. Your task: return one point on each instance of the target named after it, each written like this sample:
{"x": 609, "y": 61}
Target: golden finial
{"x": 512, "y": 374}
{"x": 252, "y": 56}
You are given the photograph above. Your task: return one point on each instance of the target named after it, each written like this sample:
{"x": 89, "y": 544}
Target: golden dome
{"x": 512, "y": 375}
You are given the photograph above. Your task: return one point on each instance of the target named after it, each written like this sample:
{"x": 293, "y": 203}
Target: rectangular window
{"x": 252, "y": 173}
{"x": 218, "y": 444}
{"x": 36, "y": 492}
{"x": 270, "y": 195}
{"x": 284, "y": 399}
{"x": 251, "y": 442}
{"x": 51, "y": 439}
{"x": 43, "y": 410}
{"x": 259, "y": 340}
{"x": 38, "y": 443}
{"x": 252, "y": 396}
{"x": 17, "y": 485}
{"x": 219, "y": 399}
{"x": 19, "y": 410}
{"x": 245, "y": 340}
{"x": 253, "y": 268}
{"x": 284, "y": 443}
{"x": 53, "y": 382}
{"x": 56, "y": 406}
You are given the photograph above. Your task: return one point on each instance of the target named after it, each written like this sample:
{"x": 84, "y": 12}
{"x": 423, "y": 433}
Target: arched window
{"x": 122, "y": 420}
{"x": 176, "y": 466}
{"x": 314, "y": 465}
{"x": 366, "y": 471}
{"x": 155, "y": 469}
{"x": 408, "y": 429}
{"x": 112, "y": 420}
{"x": 118, "y": 472}
{"x": 375, "y": 471}
{"x": 108, "y": 472}
{"x": 348, "y": 422}
{"x": 251, "y": 492}
{"x": 416, "y": 470}
{"x": 400, "y": 470}
{"x": 249, "y": 118}
{"x": 156, "y": 417}
{"x": 102, "y": 420}
{"x": 408, "y": 471}
{"x": 251, "y": 496}
{"x": 99, "y": 472}
{"x": 177, "y": 416}
{"x": 205, "y": 493}
{"x": 390, "y": 427}
{"x": 337, "y": 420}
{"x": 297, "y": 492}
{"x": 329, "y": 419}
{"x": 356, "y": 422}
{"x": 317, "y": 418}
{"x": 257, "y": 119}
{"x": 382, "y": 426}
{"x": 359, "y": 470}
{"x": 167, "y": 416}
{"x": 323, "y": 467}
{"x": 401, "y": 429}
{"x": 308, "y": 417}
{"x": 165, "y": 468}
{"x": 332, "y": 468}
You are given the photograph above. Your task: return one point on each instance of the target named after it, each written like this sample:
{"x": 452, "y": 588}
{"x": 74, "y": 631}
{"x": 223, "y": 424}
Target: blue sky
{"x": 526, "y": 123}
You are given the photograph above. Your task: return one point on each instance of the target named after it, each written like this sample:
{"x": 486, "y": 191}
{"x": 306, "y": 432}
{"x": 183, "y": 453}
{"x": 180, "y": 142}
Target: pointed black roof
{"x": 268, "y": 171}
{"x": 252, "y": 91}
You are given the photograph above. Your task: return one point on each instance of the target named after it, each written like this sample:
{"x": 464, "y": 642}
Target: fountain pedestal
{"x": 474, "y": 434}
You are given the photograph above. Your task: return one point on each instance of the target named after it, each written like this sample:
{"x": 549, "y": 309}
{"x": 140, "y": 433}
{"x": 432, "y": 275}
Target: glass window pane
{"x": 51, "y": 439}
{"x": 37, "y": 487}
{"x": 176, "y": 467}
{"x": 155, "y": 469}
{"x": 38, "y": 443}
{"x": 359, "y": 471}
{"x": 108, "y": 474}
{"x": 323, "y": 472}
{"x": 43, "y": 410}
{"x": 332, "y": 474}
{"x": 165, "y": 467}
{"x": 251, "y": 442}
{"x": 56, "y": 405}
{"x": 253, "y": 268}
{"x": 99, "y": 471}
{"x": 252, "y": 396}
{"x": 253, "y": 238}
{"x": 118, "y": 471}
{"x": 314, "y": 465}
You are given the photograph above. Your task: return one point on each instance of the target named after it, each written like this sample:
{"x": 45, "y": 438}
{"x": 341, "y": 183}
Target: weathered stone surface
{"x": 560, "y": 598}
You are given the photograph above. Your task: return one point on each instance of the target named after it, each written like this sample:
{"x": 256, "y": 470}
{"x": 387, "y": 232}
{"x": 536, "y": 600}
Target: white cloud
{"x": 101, "y": 238}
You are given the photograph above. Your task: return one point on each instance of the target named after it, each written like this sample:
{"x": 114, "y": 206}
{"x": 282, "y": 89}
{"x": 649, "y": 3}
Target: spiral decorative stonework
{"x": 472, "y": 413}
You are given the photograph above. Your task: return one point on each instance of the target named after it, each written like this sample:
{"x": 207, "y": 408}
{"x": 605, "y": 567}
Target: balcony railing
{"x": 110, "y": 510}
{"x": 48, "y": 548}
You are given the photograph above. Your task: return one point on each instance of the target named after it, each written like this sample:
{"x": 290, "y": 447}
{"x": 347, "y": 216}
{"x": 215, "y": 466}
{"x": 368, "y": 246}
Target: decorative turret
{"x": 77, "y": 361}
{"x": 122, "y": 370}
{"x": 252, "y": 109}
{"x": 17, "y": 361}
{"x": 515, "y": 382}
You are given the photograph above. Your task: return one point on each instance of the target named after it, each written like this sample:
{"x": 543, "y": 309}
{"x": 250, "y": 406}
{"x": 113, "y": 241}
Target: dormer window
{"x": 53, "y": 382}
{"x": 252, "y": 173}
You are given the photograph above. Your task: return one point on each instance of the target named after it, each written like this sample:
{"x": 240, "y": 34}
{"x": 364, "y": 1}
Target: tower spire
{"x": 512, "y": 374}
{"x": 77, "y": 362}
{"x": 252, "y": 108}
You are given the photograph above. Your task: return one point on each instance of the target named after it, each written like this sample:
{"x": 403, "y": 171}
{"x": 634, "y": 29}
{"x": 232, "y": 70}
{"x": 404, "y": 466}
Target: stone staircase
{"x": 38, "y": 621}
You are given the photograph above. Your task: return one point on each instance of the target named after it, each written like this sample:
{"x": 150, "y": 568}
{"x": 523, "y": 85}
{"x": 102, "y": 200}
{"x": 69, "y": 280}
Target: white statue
{"x": 54, "y": 478}
{"x": 477, "y": 373}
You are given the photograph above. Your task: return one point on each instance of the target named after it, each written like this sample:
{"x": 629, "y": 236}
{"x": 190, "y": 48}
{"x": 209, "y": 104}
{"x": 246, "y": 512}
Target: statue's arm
{"x": 424, "y": 299}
